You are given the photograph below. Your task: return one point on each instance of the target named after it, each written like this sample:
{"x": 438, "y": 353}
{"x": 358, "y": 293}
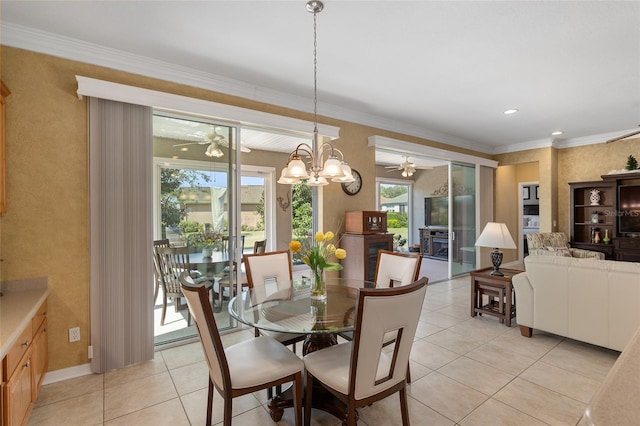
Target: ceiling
{"x": 441, "y": 70}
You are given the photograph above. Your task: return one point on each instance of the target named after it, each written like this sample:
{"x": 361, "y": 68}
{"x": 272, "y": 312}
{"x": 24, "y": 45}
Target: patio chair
{"x": 173, "y": 262}
{"x": 157, "y": 272}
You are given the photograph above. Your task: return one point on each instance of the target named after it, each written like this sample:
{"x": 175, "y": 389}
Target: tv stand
{"x": 434, "y": 243}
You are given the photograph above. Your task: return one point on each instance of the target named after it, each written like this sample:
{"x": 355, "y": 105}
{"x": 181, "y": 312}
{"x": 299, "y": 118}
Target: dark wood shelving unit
{"x": 587, "y": 218}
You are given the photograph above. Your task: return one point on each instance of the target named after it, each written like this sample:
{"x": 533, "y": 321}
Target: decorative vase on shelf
{"x": 606, "y": 239}
{"x": 595, "y": 197}
{"x": 207, "y": 251}
{"x": 596, "y": 239}
{"x": 318, "y": 286}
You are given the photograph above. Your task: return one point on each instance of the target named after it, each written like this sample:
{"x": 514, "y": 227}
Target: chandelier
{"x": 320, "y": 170}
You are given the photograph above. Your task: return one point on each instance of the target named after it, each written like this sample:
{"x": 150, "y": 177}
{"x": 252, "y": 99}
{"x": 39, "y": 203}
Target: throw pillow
{"x": 559, "y": 251}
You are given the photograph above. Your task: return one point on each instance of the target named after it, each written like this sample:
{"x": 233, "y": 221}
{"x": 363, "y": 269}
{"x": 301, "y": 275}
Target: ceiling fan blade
{"x": 190, "y": 143}
{"x": 619, "y": 138}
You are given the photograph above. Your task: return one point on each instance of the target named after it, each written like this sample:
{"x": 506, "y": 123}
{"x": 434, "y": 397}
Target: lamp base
{"x": 496, "y": 259}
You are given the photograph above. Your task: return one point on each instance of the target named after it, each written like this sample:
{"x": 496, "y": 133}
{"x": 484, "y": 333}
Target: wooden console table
{"x": 498, "y": 289}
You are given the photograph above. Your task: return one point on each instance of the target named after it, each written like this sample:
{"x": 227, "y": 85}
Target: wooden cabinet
{"x": 362, "y": 254}
{"x": 593, "y": 218}
{"x": 628, "y": 249}
{"x": 600, "y": 215}
{"x": 24, "y": 367}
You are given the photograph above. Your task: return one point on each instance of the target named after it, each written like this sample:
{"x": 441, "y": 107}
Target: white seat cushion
{"x": 331, "y": 366}
{"x": 260, "y": 360}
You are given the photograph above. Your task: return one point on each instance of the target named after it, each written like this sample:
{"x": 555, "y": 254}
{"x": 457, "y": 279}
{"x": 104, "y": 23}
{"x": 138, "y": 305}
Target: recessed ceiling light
{"x": 510, "y": 111}
{"x": 557, "y": 133}
{"x": 184, "y": 148}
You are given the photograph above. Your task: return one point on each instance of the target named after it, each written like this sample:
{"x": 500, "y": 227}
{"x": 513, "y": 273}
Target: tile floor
{"x": 466, "y": 371}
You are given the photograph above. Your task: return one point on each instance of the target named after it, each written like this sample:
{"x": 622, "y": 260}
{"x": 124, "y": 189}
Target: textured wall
{"x": 589, "y": 163}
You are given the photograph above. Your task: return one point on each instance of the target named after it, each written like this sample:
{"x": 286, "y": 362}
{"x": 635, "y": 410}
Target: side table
{"x": 499, "y": 291}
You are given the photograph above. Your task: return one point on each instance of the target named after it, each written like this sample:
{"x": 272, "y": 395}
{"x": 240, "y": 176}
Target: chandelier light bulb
{"x": 332, "y": 167}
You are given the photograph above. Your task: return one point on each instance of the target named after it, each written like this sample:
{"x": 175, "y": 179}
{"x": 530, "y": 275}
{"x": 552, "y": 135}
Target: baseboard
{"x": 66, "y": 374}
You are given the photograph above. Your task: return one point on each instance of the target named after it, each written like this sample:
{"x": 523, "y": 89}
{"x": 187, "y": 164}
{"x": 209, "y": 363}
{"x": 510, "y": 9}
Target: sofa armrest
{"x": 586, "y": 254}
{"x": 524, "y": 299}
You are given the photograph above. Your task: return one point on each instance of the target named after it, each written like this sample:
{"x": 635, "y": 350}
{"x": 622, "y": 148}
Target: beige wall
{"x": 45, "y": 230}
{"x": 589, "y": 163}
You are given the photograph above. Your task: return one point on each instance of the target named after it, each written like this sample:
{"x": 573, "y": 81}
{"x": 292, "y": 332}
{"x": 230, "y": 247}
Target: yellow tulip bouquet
{"x": 316, "y": 257}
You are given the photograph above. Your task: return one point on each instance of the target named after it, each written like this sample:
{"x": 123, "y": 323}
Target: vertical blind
{"x": 120, "y": 175}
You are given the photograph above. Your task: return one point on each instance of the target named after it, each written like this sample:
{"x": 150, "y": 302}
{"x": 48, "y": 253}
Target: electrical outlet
{"x": 74, "y": 334}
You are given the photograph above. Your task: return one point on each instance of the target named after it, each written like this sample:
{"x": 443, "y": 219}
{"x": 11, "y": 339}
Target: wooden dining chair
{"x": 259, "y": 246}
{"x": 174, "y": 261}
{"x": 353, "y": 371}
{"x": 267, "y": 271}
{"x": 245, "y": 367}
{"x": 157, "y": 268}
{"x": 394, "y": 269}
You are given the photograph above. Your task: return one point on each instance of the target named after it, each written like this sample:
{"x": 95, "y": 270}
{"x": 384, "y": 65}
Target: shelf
{"x": 589, "y": 205}
{"x": 593, "y": 224}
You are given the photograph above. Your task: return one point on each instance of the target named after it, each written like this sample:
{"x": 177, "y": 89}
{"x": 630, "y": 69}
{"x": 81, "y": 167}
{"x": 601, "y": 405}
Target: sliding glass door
{"x": 462, "y": 207}
{"x": 196, "y": 208}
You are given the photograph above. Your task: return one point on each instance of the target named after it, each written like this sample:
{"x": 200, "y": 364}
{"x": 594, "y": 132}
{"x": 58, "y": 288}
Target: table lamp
{"x": 497, "y": 236}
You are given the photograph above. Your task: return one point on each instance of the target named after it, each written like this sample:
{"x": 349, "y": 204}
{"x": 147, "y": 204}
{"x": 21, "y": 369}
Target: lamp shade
{"x": 296, "y": 169}
{"x": 496, "y": 235}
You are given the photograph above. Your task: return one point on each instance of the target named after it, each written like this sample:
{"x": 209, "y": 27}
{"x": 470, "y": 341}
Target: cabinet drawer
{"x": 628, "y": 243}
{"x": 16, "y": 351}
{"x": 38, "y": 318}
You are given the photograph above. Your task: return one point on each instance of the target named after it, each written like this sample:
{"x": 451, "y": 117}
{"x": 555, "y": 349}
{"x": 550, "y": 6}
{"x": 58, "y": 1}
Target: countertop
{"x": 617, "y": 402}
{"x": 19, "y": 303}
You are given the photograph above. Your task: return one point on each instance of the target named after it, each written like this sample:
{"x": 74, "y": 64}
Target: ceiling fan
{"x": 408, "y": 168}
{"x": 215, "y": 141}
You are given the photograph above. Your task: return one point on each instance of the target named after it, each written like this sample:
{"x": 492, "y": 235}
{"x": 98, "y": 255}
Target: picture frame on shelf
{"x": 537, "y": 188}
{"x": 526, "y": 195}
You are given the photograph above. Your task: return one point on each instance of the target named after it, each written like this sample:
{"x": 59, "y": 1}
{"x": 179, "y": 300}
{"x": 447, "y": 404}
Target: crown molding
{"x": 77, "y": 50}
{"x": 561, "y": 143}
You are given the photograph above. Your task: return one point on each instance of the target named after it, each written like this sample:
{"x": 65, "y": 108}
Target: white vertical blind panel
{"x": 121, "y": 234}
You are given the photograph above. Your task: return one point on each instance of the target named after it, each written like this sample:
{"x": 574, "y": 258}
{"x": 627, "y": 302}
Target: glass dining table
{"x": 287, "y": 307}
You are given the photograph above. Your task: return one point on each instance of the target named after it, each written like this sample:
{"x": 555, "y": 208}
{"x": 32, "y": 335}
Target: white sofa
{"x": 594, "y": 301}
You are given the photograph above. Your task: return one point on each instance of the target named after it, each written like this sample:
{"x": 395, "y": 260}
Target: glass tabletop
{"x": 287, "y": 307}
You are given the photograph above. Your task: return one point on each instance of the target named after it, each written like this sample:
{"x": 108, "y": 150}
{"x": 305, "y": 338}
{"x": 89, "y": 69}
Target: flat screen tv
{"x": 629, "y": 209}
{"x": 436, "y": 211}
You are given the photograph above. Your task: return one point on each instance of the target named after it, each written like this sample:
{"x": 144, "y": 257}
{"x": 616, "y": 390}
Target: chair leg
{"x": 307, "y": 399}
{"x": 164, "y": 308}
{"x": 210, "y": 403}
{"x": 403, "y": 406}
{"x": 297, "y": 398}
{"x": 228, "y": 408}
{"x": 408, "y": 374}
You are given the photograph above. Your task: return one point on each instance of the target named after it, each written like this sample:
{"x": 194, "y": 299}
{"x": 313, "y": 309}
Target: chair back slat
{"x": 380, "y": 311}
{"x": 395, "y": 269}
{"x": 202, "y": 314}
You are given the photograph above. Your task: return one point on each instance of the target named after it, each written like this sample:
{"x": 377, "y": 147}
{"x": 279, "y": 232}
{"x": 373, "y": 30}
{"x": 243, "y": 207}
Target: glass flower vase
{"x": 318, "y": 287}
